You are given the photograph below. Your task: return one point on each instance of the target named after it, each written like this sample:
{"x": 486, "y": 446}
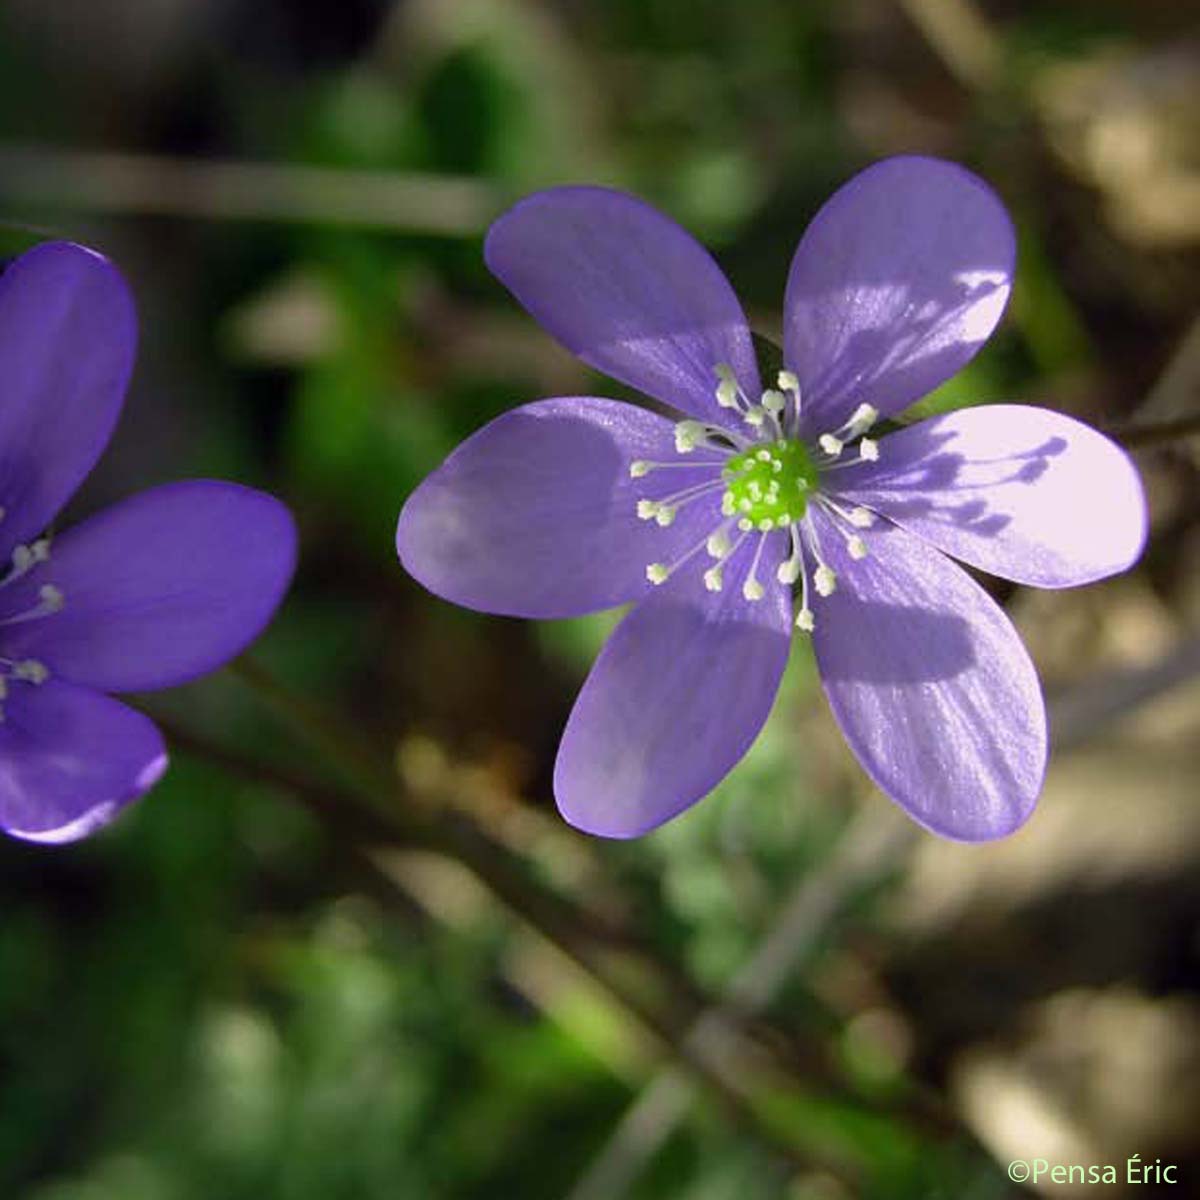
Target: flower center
{"x": 769, "y": 484}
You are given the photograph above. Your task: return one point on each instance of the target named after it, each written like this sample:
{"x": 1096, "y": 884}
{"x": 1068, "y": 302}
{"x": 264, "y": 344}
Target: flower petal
{"x": 1021, "y": 492}
{"x": 900, "y": 278}
{"x": 160, "y": 588}
{"x": 932, "y": 687}
{"x": 676, "y": 698}
{"x": 68, "y": 333}
{"x": 535, "y": 515}
{"x": 627, "y": 290}
{"x": 72, "y": 760}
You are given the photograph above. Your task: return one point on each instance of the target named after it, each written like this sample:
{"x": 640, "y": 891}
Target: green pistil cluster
{"x": 769, "y": 484}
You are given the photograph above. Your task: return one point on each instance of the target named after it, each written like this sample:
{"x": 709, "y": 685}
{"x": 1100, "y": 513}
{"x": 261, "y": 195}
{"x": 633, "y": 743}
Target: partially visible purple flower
{"x": 149, "y": 593}
{"x": 708, "y": 524}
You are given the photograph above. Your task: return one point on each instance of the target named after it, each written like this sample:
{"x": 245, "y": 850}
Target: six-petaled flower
{"x": 152, "y": 592}
{"x": 766, "y": 509}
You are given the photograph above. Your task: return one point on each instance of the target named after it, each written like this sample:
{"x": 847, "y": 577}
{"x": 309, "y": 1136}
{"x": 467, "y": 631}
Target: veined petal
{"x": 535, "y": 515}
{"x": 677, "y": 696}
{"x": 931, "y": 686}
{"x": 900, "y": 278}
{"x": 627, "y": 290}
{"x": 1020, "y": 492}
{"x": 160, "y": 588}
{"x": 68, "y": 333}
{"x": 72, "y": 760}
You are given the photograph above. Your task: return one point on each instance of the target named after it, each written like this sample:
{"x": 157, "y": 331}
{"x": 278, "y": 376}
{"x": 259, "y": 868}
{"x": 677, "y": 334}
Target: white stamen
{"x": 646, "y": 509}
{"x": 861, "y": 518}
{"x": 857, "y": 547}
{"x": 755, "y": 416}
{"x": 863, "y": 417}
{"x": 688, "y": 435}
{"x": 712, "y": 578}
{"x": 788, "y": 381}
{"x": 718, "y": 544}
{"x": 665, "y": 515}
{"x": 824, "y": 580}
{"x": 830, "y": 444}
{"x": 657, "y": 573}
{"x": 774, "y": 402}
{"x": 804, "y": 620}
{"x": 788, "y": 572}
{"x": 752, "y": 590}
{"x": 727, "y": 394}
{"x": 868, "y": 450}
{"x": 31, "y": 671}
{"x": 638, "y": 468}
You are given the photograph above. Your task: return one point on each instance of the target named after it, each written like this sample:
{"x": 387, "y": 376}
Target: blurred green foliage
{"x": 211, "y": 1000}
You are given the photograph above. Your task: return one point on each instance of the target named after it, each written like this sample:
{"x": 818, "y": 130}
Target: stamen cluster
{"x": 50, "y": 600}
{"x": 768, "y": 478}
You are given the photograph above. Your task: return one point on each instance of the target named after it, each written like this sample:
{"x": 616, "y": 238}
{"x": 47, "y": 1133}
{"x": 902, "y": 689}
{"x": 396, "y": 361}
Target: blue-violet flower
{"x": 154, "y": 591}
{"x": 768, "y": 509}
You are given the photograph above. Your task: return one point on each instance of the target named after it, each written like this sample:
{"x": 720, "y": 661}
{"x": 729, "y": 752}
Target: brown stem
{"x": 1153, "y": 435}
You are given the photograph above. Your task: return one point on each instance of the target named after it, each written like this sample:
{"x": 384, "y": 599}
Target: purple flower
{"x": 766, "y": 510}
{"x": 151, "y": 592}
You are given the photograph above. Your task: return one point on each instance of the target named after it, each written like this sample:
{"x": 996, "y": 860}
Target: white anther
{"x": 745, "y": 504}
{"x": 51, "y": 598}
{"x": 763, "y": 455}
{"x": 712, "y": 579}
{"x": 869, "y": 450}
{"x": 788, "y": 381}
{"x": 30, "y": 670}
{"x": 863, "y": 417}
{"x": 665, "y": 515}
{"x": 857, "y": 547}
{"x": 728, "y": 505}
{"x": 745, "y": 524}
{"x": 753, "y": 590}
{"x": 830, "y": 444}
{"x": 688, "y": 435}
{"x": 774, "y": 402}
{"x": 805, "y": 620}
{"x": 725, "y": 373}
{"x": 727, "y": 393}
{"x": 824, "y": 580}
{"x": 646, "y": 509}
{"x": 766, "y": 525}
{"x": 41, "y": 550}
{"x": 657, "y": 573}
{"x": 861, "y": 518}
{"x": 638, "y": 468}
{"x": 22, "y": 559}
{"x": 755, "y": 416}
{"x": 789, "y": 571}
{"x": 718, "y": 544}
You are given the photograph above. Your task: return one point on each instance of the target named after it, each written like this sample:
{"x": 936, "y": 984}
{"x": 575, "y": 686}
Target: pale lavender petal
{"x": 68, "y": 333}
{"x": 1021, "y": 492}
{"x": 160, "y": 588}
{"x": 72, "y": 760}
{"x": 931, "y": 686}
{"x": 628, "y": 291}
{"x": 900, "y": 278}
{"x": 535, "y": 515}
{"x": 674, "y": 701}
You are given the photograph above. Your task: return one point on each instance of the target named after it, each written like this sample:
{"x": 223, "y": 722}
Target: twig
{"x": 1157, "y": 433}
{"x": 225, "y": 190}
